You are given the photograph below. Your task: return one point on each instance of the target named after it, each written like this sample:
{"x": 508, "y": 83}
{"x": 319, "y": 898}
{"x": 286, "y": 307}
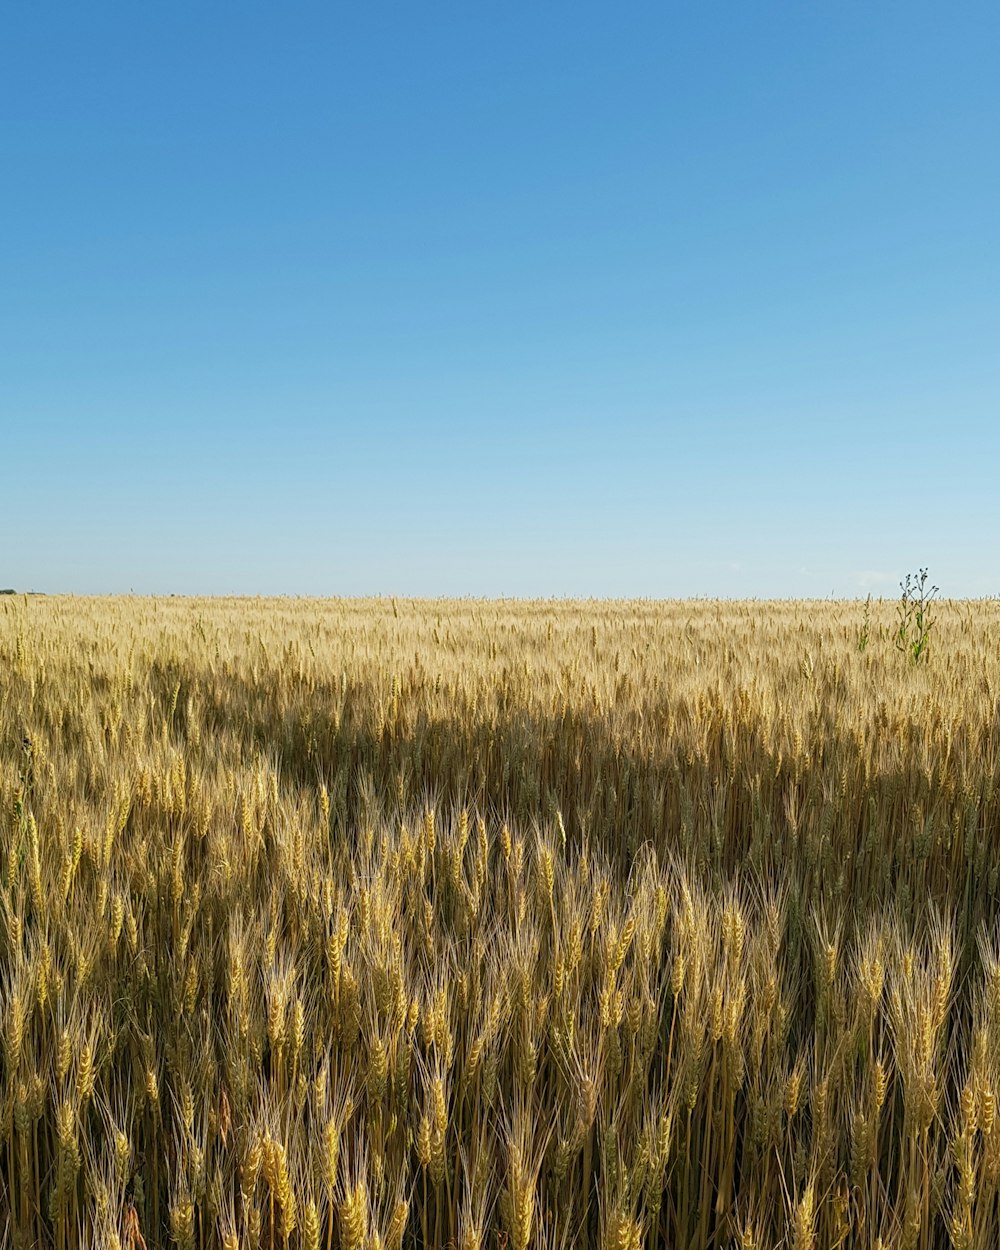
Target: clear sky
{"x": 480, "y": 298}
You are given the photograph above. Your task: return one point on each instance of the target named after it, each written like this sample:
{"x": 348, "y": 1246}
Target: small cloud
{"x": 872, "y": 578}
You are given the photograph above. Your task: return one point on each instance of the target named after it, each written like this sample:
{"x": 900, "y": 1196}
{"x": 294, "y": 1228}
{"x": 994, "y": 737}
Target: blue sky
{"x": 587, "y": 299}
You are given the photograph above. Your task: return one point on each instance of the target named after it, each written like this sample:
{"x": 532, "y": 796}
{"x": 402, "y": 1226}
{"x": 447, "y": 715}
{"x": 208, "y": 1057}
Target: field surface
{"x": 383, "y": 924}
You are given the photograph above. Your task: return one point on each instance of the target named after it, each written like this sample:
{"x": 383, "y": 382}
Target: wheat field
{"x": 382, "y": 924}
